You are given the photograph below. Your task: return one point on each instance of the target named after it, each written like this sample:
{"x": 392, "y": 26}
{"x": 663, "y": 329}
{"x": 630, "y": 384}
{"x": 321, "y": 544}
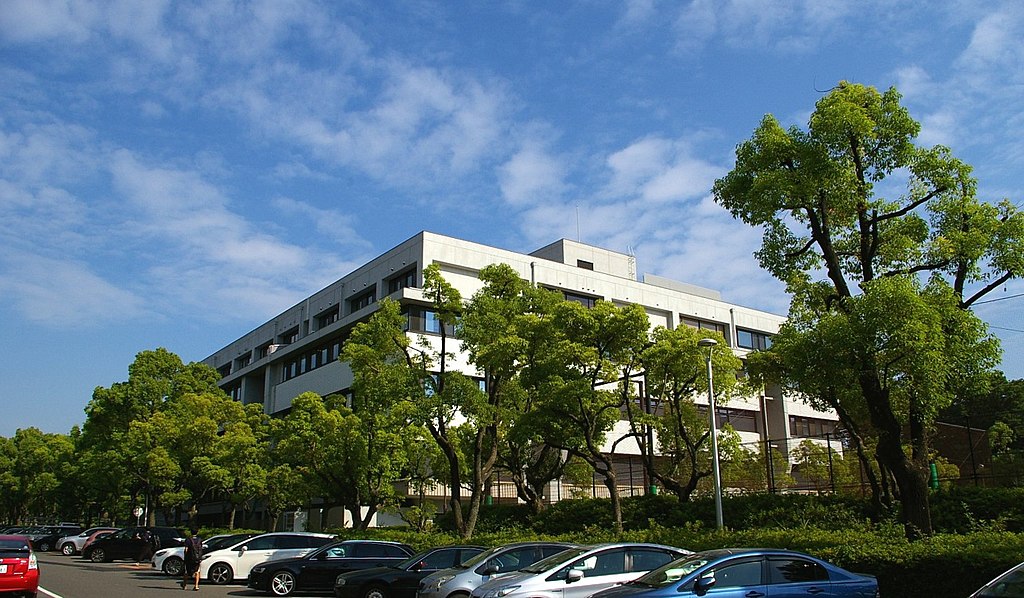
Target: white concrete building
{"x": 297, "y": 351}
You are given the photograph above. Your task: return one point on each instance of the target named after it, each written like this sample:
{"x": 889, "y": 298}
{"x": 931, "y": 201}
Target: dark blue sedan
{"x": 747, "y": 573}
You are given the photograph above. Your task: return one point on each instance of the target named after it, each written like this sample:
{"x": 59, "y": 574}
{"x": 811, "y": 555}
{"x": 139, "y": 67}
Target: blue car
{"x": 746, "y": 573}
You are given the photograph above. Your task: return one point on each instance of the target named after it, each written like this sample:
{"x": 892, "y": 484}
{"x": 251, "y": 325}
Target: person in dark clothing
{"x": 193, "y": 556}
{"x": 145, "y": 548}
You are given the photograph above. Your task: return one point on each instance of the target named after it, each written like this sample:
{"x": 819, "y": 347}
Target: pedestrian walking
{"x": 193, "y": 556}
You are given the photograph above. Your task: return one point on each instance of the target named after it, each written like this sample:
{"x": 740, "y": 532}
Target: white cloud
{"x": 659, "y": 170}
{"x": 63, "y": 292}
{"x": 532, "y": 176}
{"x": 37, "y": 20}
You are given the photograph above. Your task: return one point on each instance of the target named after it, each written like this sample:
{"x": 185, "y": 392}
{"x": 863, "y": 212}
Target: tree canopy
{"x": 882, "y": 274}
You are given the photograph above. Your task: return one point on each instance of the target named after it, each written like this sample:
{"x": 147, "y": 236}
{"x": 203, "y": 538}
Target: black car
{"x": 402, "y": 579}
{"x": 44, "y": 538}
{"x": 128, "y": 543}
{"x": 317, "y": 571}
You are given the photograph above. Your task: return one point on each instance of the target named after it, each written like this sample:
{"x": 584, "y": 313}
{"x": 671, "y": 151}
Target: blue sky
{"x": 173, "y": 174}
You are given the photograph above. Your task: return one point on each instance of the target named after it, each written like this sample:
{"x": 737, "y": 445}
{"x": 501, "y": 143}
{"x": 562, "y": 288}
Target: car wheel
{"x": 221, "y": 574}
{"x": 376, "y": 592}
{"x": 98, "y": 555}
{"x": 68, "y": 549}
{"x": 174, "y": 566}
{"x": 45, "y": 546}
{"x": 282, "y": 583}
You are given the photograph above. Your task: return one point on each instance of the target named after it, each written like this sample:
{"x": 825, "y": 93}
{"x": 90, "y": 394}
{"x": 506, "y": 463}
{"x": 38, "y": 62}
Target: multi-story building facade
{"x": 297, "y": 351}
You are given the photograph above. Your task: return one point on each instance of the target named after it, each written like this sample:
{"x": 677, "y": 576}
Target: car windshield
{"x": 554, "y": 560}
{"x": 672, "y": 572}
{"x": 1007, "y": 585}
{"x": 13, "y": 547}
{"x": 409, "y": 562}
{"x": 479, "y": 558}
{"x": 227, "y": 541}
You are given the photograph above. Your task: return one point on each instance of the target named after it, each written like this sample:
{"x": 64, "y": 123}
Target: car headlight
{"x": 502, "y": 591}
{"x": 162, "y": 553}
{"x": 259, "y": 569}
{"x": 443, "y": 580}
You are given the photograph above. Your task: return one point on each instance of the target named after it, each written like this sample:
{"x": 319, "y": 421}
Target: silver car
{"x": 73, "y": 544}
{"x": 460, "y": 581}
{"x": 579, "y": 572}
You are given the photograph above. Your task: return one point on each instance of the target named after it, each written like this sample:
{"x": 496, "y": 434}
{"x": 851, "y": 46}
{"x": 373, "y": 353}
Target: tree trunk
{"x": 910, "y": 483}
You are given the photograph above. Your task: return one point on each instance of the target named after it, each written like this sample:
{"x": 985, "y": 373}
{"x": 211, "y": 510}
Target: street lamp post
{"x": 715, "y": 470}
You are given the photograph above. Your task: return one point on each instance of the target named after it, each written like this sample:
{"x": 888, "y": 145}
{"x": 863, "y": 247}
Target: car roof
{"x": 310, "y": 534}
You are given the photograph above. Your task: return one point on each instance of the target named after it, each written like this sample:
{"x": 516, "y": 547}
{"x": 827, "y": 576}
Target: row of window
{"x": 741, "y": 420}
{"x": 417, "y": 320}
{"x": 311, "y": 360}
{"x": 811, "y": 427}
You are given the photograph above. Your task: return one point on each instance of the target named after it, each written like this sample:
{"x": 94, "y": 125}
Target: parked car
{"x": 234, "y": 562}
{"x": 19, "y": 569}
{"x": 401, "y": 580}
{"x": 461, "y": 580}
{"x": 95, "y": 536}
{"x": 45, "y": 537}
{"x": 732, "y": 573}
{"x": 316, "y": 571}
{"x": 172, "y": 560}
{"x": 1008, "y": 585}
{"x": 127, "y": 543}
{"x": 71, "y": 545}
{"x": 580, "y": 572}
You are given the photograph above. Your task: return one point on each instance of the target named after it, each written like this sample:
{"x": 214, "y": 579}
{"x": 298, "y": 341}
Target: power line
{"x": 1004, "y": 328}
{"x": 999, "y": 299}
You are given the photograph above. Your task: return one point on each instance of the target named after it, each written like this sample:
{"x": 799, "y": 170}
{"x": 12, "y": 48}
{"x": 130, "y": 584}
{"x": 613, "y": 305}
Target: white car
{"x": 580, "y": 572}
{"x": 172, "y": 560}
{"x": 73, "y": 544}
{"x": 234, "y": 562}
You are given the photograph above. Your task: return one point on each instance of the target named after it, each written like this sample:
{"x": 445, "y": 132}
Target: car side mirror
{"x": 242, "y": 549}
{"x": 418, "y": 566}
{"x": 489, "y": 571}
{"x": 703, "y": 584}
{"x": 573, "y": 575}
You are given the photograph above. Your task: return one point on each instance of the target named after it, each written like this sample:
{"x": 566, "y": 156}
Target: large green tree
{"x": 506, "y": 329}
{"x": 675, "y": 370}
{"x": 121, "y": 436}
{"x": 584, "y": 391}
{"x": 882, "y": 274}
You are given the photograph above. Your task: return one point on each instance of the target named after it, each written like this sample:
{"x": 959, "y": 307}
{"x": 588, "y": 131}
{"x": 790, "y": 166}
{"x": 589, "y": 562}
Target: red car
{"x": 19, "y": 569}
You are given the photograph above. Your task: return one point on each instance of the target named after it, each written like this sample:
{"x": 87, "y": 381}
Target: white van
{"x": 234, "y": 562}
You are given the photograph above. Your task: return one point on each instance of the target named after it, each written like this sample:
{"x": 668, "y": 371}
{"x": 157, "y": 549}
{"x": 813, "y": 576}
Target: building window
{"x": 243, "y": 361}
{"x": 811, "y": 427}
{"x": 265, "y": 350}
{"x": 741, "y": 420}
{"x": 289, "y": 337}
{"x": 406, "y": 279}
{"x": 584, "y": 300}
{"x": 418, "y": 319}
{"x": 699, "y": 324}
{"x": 364, "y": 299}
{"x": 224, "y": 370}
{"x": 749, "y": 339}
{"x": 585, "y": 264}
{"x": 327, "y": 318}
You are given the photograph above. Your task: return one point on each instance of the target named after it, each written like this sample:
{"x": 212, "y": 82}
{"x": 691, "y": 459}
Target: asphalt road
{"x": 73, "y": 577}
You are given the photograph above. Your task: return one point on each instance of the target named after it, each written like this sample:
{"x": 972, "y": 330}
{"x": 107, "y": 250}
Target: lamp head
{"x": 707, "y": 342}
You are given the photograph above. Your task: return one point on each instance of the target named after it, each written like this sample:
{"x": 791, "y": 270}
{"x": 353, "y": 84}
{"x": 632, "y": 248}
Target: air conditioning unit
{"x": 272, "y": 348}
